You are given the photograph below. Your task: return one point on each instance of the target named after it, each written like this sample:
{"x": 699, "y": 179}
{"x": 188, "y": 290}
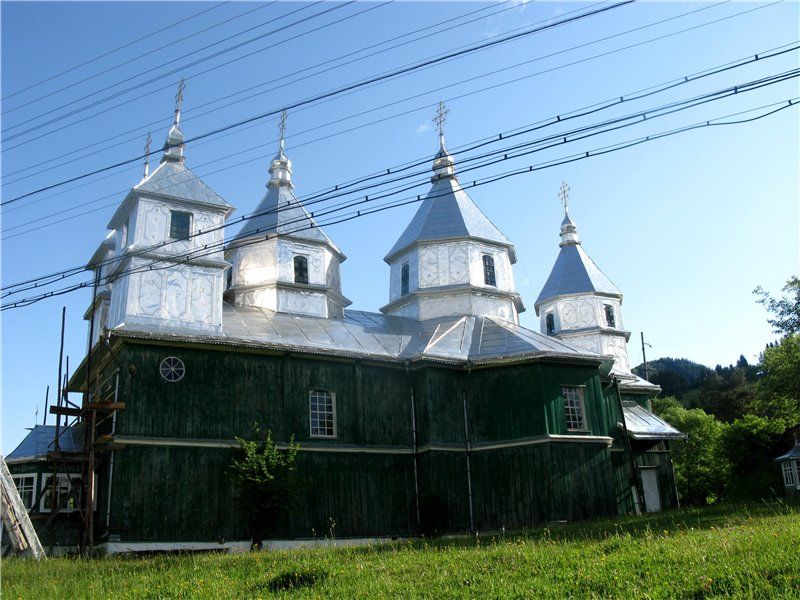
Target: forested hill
{"x": 676, "y": 376}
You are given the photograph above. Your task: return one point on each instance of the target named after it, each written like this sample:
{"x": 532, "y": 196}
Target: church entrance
{"x": 652, "y": 499}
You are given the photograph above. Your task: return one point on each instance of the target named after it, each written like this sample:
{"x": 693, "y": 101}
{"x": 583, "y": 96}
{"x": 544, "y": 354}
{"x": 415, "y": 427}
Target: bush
{"x": 750, "y": 444}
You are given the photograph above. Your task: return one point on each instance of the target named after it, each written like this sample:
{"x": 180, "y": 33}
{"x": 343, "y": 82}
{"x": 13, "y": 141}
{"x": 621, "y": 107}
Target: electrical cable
{"x": 476, "y": 183}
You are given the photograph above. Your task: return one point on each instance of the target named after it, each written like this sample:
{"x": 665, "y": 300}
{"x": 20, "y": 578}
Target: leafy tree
{"x": 778, "y": 392}
{"x": 749, "y": 445}
{"x": 786, "y": 310}
{"x": 701, "y": 468}
{"x": 726, "y": 393}
{"x": 262, "y": 474}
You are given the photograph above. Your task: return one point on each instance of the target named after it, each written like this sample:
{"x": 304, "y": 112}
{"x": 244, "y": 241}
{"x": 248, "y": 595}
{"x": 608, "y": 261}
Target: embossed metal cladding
{"x": 264, "y": 252}
{"x": 451, "y": 259}
{"x": 641, "y": 424}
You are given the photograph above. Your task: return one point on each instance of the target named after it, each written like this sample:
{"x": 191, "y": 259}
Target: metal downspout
{"x": 414, "y": 443}
{"x": 634, "y": 477}
{"x": 469, "y": 449}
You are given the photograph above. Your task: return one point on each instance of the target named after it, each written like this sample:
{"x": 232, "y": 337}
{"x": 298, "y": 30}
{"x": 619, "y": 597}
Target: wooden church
{"x": 437, "y": 414}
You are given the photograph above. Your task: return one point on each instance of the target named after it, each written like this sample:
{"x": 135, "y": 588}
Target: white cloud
{"x": 423, "y": 127}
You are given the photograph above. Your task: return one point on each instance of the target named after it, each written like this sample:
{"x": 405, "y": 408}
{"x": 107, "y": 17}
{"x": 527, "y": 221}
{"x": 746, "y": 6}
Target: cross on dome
{"x": 563, "y": 193}
{"x": 146, "y": 170}
{"x": 440, "y": 118}
{"x": 282, "y": 128}
{"x": 179, "y": 100}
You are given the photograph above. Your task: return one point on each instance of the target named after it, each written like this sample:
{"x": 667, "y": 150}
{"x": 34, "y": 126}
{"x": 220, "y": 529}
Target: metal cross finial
{"x": 441, "y": 118}
{"x": 179, "y": 100}
{"x": 282, "y": 127}
{"x": 564, "y": 195}
{"x": 146, "y": 171}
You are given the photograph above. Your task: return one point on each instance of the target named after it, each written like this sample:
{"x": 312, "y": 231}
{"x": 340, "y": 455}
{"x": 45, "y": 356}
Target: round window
{"x": 172, "y": 369}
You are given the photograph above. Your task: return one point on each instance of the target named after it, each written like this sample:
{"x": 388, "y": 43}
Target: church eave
{"x": 450, "y": 289}
{"x": 603, "y": 330}
{"x": 540, "y": 301}
{"x": 292, "y": 285}
{"x": 132, "y": 252}
{"x": 460, "y": 238}
{"x": 250, "y": 239}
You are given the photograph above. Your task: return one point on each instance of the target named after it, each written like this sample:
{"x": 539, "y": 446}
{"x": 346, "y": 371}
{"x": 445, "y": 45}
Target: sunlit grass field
{"x": 727, "y": 551}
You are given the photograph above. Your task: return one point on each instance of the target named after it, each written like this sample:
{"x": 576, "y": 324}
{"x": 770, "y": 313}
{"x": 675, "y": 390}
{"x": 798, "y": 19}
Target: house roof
{"x": 458, "y": 339}
{"x": 641, "y": 424}
{"x": 40, "y": 441}
{"x": 448, "y": 213}
{"x": 793, "y": 454}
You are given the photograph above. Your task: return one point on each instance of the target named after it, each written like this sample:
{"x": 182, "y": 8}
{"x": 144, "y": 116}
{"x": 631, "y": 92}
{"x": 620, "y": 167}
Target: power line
{"x": 117, "y": 49}
{"x": 334, "y": 92}
{"x": 760, "y": 56}
{"x": 625, "y": 121}
{"x": 203, "y": 72}
{"x": 174, "y": 70}
{"x": 141, "y": 56}
{"x": 250, "y": 88}
{"x": 491, "y": 179}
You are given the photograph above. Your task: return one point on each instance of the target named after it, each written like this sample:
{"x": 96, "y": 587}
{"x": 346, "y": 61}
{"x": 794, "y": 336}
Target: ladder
{"x": 15, "y": 517}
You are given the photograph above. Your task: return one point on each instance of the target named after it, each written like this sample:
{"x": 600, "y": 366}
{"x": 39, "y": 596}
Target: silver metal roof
{"x": 574, "y": 273}
{"x": 282, "y": 213}
{"x": 40, "y": 440}
{"x": 374, "y": 335}
{"x": 447, "y": 213}
{"x": 644, "y": 425}
{"x": 173, "y": 178}
{"x": 793, "y": 454}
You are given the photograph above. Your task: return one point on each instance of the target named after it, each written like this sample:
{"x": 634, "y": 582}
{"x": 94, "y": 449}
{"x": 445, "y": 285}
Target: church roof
{"x": 641, "y": 424}
{"x": 448, "y": 213}
{"x": 575, "y": 273}
{"x": 40, "y": 440}
{"x": 174, "y": 179}
{"x": 374, "y": 335}
{"x": 280, "y": 212}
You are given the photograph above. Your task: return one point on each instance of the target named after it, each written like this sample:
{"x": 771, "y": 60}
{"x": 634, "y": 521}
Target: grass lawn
{"x": 742, "y": 551}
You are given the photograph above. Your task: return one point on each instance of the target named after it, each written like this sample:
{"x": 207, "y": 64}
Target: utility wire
{"x": 196, "y": 74}
{"x": 138, "y": 57}
{"x": 184, "y": 114}
{"x": 507, "y": 153}
{"x": 328, "y": 94}
{"x": 761, "y": 56}
{"x": 476, "y": 183}
{"x": 117, "y": 49}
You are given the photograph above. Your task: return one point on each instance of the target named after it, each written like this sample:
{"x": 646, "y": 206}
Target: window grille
{"x": 26, "y": 485}
{"x": 172, "y": 369}
{"x": 790, "y": 473}
{"x": 300, "y": 269}
{"x": 573, "y": 408}
{"x": 488, "y": 271}
{"x": 404, "y": 280}
{"x": 179, "y": 225}
{"x": 610, "y": 320}
{"x": 550, "y": 322}
{"x": 322, "y": 413}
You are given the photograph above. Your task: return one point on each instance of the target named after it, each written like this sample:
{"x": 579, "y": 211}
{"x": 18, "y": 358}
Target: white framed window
{"x": 790, "y": 475}
{"x": 573, "y": 408}
{"x": 322, "y": 413}
{"x": 26, "y": 486}
{"x": 68, "y": 492}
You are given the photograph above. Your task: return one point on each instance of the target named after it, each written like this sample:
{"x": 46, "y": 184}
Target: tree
{"x": 778, "y": 392}
{"x": 749, "y": 445}
{"x": 262, "y": 474}
{"x": 786, "y": 310}
{"x": 701, "y": 469}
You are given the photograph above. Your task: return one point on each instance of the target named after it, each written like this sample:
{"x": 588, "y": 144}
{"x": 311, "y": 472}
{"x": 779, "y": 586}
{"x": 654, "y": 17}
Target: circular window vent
{"x": 172, "y": 369}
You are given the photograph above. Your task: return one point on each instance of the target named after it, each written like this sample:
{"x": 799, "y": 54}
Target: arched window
{"x": 300, "y": 269}
{"x": 550, "y": 323}
{"x": 488, "y": 270}
{"x": 404, "y": 280}
{"x": 610, "y": 321}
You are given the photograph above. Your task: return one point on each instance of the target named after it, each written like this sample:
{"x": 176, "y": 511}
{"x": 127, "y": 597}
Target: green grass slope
{"x": 727, "y": 551}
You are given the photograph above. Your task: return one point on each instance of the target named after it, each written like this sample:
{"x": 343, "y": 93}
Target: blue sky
{"x": 685, "y": 226}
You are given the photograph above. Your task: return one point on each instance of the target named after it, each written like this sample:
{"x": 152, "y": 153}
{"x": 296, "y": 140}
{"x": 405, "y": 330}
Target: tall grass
{"x": 739, "y": 551}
